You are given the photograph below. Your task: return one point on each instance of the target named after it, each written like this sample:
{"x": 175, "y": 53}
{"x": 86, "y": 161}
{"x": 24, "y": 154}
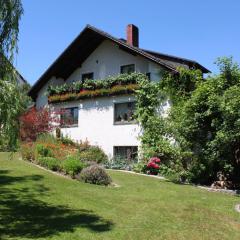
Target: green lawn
{"x": 35, "y": 204}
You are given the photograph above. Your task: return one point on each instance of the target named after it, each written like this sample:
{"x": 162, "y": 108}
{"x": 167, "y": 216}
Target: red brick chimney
{"x": 132, "y": 35}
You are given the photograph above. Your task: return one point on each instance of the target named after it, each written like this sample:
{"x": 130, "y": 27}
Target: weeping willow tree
{"x": 11, "y": 98}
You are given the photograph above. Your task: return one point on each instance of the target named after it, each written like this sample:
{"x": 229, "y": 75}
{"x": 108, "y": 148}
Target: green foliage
{"x": 72, "y": 166}
{"x": 121, "y": 84}
{"x": 96, "y": 175}
{"x": 47, "y": 138}
{"x": 119, "y": 163}
{"x": 50, "y": 163}
{"x": 180, "y": 86}
{"x": 139, "y": 167}
{"x": 75, "y": 87}
{"x": 200, "y": 135}
{"x": 115, "y": 90}
{"x": 12, "y": 99}
{"x": 44, "y": 150}
{"x": 155, "y": 137}
{"x": 93, "y": 154}
{"x": 205, "y": 124}
{"x": 10, "y": 14}
{"x": 67, "y": 141}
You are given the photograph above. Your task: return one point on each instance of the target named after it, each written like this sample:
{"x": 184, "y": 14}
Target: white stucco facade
{"x": 96, "y": 116}
{"x": 96, "y": 124}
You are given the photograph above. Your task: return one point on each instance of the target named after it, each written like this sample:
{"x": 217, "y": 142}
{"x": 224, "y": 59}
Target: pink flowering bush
{"x": 153, "y": 166}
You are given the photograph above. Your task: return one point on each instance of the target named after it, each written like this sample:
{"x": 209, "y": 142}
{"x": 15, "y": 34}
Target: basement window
{"x": 124, "y": 113}
{"x": 125, "y": 152}
{"x": 86, "y": 76}
{"x": 69, "y": 117}
{"x": 128, "y": 68}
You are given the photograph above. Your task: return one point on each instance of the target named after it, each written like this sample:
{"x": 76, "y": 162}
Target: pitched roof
{"x": 175, "y": 61}
{"x": 86, "y": 42}
{"x": 21, "y": 77}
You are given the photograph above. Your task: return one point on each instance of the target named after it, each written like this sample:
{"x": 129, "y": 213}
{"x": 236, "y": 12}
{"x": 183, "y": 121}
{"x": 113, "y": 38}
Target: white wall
{"x": 42, "y": 99}
{"x": 106, "y": 61}
{"x": 96, "y": 124}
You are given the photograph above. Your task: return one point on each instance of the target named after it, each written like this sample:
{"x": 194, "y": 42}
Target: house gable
{"x": 106, "y": 60}
{"x": 87, "y": 41}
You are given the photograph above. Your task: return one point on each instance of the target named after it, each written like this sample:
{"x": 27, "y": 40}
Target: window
{"x": 148, "y": 75}
{"x": 124, "y": 112}
{"x": 128, "y": 68}
{"x": 126, "y": 152}
{"x": 86, "y": 76}
{"x": 69, "y": 117}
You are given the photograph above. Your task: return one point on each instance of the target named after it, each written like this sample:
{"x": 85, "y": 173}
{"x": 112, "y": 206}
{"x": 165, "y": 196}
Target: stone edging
{"x": 231, "y": 192}
{"x": 226, "y": 191}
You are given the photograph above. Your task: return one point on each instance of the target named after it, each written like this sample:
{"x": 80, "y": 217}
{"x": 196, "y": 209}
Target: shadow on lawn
{"x": 22, "y": 215}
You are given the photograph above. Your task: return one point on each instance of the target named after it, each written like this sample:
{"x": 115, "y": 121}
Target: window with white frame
{"x": 124, "y": 112}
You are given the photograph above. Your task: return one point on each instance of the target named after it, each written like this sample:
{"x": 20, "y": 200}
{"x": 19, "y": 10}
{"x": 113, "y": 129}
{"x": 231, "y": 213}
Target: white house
{"x": 95, "y": 54}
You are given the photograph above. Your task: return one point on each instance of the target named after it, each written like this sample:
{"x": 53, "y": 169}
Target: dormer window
{"x": 86, "y": 76}
{"x": 128, "y": 68}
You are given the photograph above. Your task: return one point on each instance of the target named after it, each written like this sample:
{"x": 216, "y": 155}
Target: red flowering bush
{"x": 153, "y": 166}
{"x": 34, "y": 122}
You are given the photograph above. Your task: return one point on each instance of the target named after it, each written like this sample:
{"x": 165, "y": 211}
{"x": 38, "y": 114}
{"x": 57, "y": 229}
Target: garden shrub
{"x": 44, "y": 150}
{"x": 28, "y": 152}
{"x": 37, "y": 121}
{"x": 49, "y": 163}
{"x": 96, "y": 175}
{"x": 139, "y": 167}
{"x": 67, "y": 141}
{"x": 119, "y": 163}
{"x": 166, "y": 171}
{"x": 93, "y": 154}
{"x": 205, "y": 122}
{"x": 200, "y": 133}
{"x": 72, "y": 166}
{"x": 153, "y": 166}
{"x": 47, "y": 138}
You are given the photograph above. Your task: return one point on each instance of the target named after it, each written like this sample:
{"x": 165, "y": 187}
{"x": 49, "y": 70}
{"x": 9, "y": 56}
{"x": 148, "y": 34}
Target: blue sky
{"x": 201, "y": 30}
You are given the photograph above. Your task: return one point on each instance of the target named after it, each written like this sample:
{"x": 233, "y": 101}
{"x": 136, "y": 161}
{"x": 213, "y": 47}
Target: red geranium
{"x": 153, "y": 165}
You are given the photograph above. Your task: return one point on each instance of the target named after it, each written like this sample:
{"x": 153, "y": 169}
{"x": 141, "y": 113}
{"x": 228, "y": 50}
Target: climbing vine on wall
{"x": 155, "y": 137}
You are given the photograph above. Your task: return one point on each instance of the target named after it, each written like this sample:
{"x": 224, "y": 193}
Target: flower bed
{"x": 67, "y": 159}
{"x": 83, "y": 94}
{"x": 115, "y": 85}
